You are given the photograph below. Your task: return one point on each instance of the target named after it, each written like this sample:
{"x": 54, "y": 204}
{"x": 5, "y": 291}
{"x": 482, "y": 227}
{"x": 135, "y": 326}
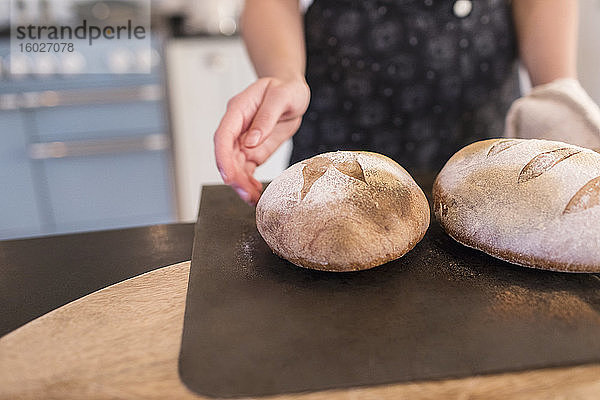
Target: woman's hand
{"x": 257, "y": 121}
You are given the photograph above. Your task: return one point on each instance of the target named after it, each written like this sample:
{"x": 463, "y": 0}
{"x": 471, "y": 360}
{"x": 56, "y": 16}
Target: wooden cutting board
{"x": 123, "y": 342}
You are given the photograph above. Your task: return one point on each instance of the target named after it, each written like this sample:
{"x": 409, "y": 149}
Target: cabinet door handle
{"x": 82, "y": 148}
{"x": 55, "y": 98}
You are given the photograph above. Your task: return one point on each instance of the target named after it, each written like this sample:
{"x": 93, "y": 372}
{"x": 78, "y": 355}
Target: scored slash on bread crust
{"x": 342, "y": 211}
{"x": 534, "y": 203}
{"x": 543, "y": 162}
{"x": 315, "y": 167}
{"x": 501, "y": 145}
{"x": 587, "y": 197}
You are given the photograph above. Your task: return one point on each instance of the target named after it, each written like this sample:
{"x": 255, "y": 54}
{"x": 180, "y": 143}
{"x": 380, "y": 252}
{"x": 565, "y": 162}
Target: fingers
{"x": 226, "y": 145}
{"x": 258, "y": 155}
{"x": 231, "y": 162}
{"x": 282, "y": 132}
{"x": 255, "y": 124}
{"x": 255, "y": 195}
{"x": 275, "y": 103}
{"x": 235, "y": 170}
{"x": 250, "y": 194}
{"x": 240, "y": 112}
{"x": 239, "y": 176}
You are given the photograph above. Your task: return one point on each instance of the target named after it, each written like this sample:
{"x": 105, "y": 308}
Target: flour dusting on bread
{"x": 530, "y": 202}
{"x": 343, "y": 211}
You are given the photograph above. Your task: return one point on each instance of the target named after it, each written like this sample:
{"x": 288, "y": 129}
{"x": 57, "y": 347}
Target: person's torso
{"x": 412, "y": 79}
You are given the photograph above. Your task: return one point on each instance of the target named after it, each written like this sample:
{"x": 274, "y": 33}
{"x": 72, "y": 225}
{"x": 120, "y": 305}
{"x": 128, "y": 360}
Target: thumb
{"x": 273, "y": 106}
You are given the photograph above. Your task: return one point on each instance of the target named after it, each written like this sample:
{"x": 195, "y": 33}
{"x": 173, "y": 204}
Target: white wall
{"x": 589, "y": 47}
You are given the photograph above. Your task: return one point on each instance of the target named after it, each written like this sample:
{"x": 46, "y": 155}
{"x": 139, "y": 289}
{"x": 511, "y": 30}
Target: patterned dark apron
{"x": 415, "y": 80}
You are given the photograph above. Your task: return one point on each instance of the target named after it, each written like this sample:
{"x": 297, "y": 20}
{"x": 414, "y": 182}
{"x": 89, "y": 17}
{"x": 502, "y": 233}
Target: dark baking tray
{"x": 257, "y": 325}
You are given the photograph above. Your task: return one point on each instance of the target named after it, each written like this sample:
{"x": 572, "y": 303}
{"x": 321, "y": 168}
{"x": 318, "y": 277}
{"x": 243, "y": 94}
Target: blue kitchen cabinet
{"x": 115, "y": 187}
{"x": 103, "y": 191}
{"x": 83, "y": 152}
{"x": 19, "y": 213}
{"x": 82, "y": 122}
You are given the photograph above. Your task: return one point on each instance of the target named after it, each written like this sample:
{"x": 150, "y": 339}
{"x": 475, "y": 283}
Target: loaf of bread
{"x": 532, "y": 202}
{"x": 342, "y": 211}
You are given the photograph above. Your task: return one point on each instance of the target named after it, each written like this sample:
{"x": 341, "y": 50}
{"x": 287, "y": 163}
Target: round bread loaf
{"x": 342, "y": 211}
{"x": 532, "y": 202}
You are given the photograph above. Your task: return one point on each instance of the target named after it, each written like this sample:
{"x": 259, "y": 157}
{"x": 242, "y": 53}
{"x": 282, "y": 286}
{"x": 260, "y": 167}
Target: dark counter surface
{"x": 41, "y": 274}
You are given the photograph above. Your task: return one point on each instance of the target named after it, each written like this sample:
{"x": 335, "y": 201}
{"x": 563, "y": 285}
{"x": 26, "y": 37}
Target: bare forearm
{"x": 273, "y": 32}
{"x": 547, "y": 34}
